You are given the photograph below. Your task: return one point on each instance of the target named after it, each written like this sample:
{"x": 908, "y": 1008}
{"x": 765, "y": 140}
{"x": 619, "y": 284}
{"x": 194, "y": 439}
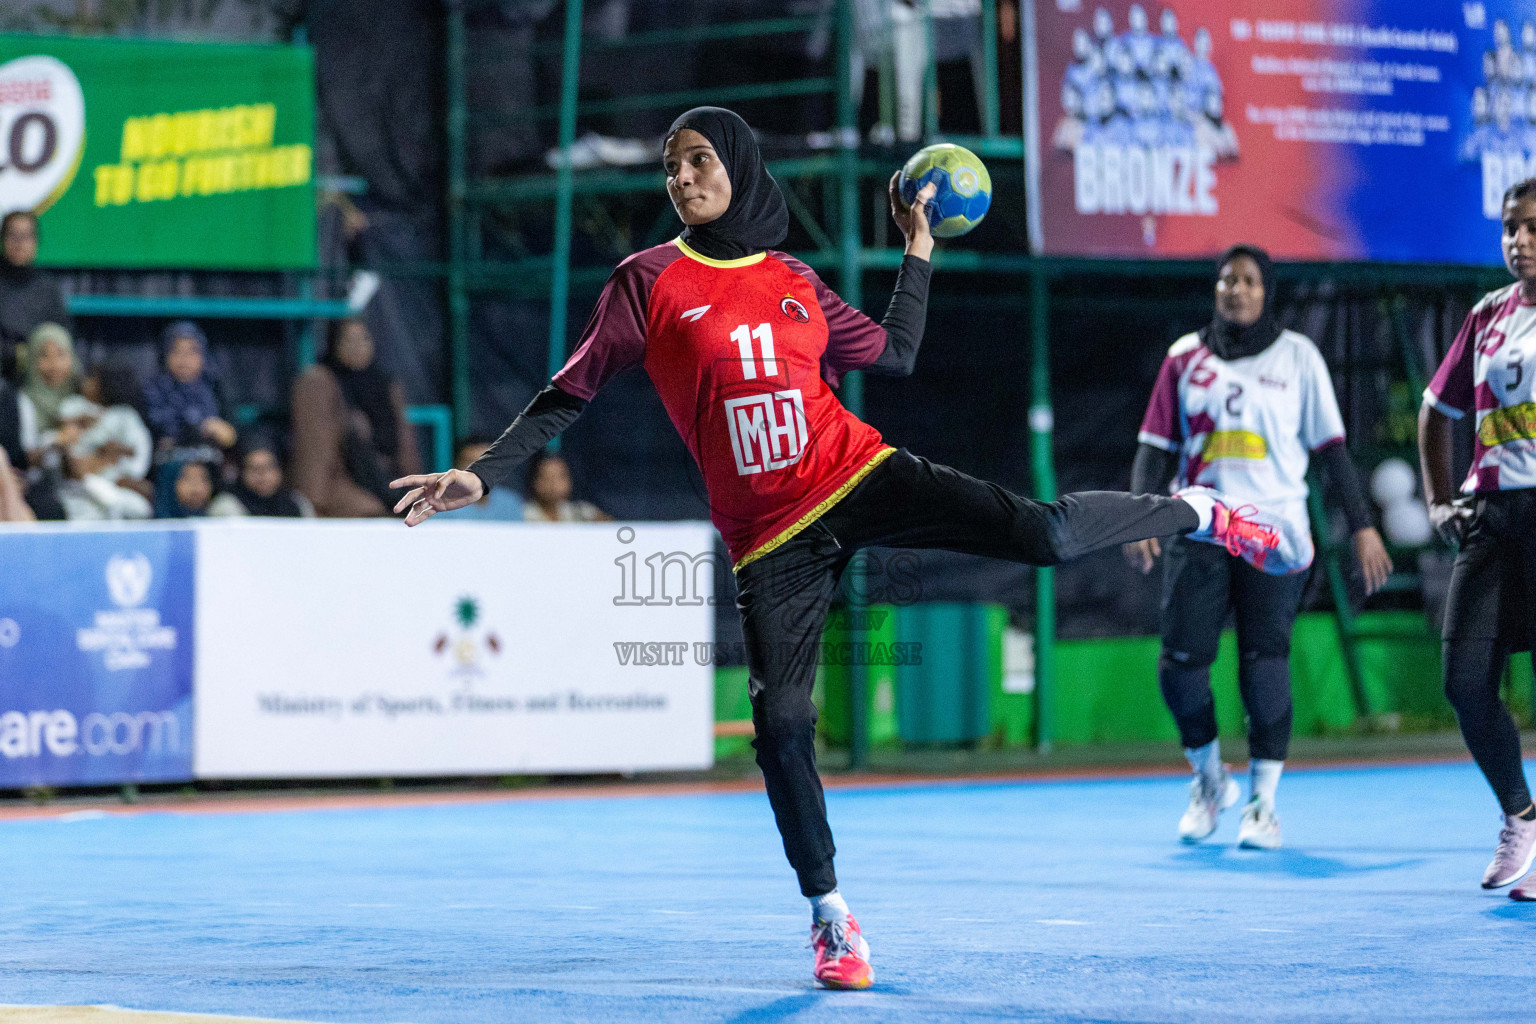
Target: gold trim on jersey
{"x": 816, "y": 513}
{"x": 745, "y": 261}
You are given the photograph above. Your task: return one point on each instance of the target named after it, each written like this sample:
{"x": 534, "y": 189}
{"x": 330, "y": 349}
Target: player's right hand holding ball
{"x": 912, "y": 220}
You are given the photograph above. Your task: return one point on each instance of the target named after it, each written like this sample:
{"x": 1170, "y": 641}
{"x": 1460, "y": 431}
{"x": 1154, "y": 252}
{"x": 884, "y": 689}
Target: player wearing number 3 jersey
{"x": 1487, "y": 378}
{"x": 744, "y": 345}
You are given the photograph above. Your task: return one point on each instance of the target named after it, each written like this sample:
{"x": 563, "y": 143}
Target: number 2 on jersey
{"x": 743, "y": 337}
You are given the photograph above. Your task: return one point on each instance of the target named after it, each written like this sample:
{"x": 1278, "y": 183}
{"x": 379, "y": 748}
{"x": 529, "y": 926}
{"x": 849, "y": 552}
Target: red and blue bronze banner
{"x": 1381, "y": 130}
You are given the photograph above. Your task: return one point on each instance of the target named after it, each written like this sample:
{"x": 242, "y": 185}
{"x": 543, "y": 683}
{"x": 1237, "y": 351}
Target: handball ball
{"x": 1393, "y": 481}
{"x": 964, "y": 188}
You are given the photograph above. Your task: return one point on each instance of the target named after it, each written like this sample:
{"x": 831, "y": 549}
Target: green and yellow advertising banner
{"x": 156, "y": 154}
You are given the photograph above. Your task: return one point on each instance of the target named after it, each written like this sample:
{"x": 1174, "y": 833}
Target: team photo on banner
{"x": 1162, "y": 129}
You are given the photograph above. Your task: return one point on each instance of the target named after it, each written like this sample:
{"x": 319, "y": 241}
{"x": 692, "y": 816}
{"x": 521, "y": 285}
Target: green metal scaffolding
{"x": 840, "y": 246}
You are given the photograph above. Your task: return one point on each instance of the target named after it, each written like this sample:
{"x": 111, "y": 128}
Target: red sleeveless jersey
{"x": 744, "y": 354}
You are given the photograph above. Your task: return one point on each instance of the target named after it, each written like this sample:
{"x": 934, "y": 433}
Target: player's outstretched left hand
{"x": 912, "y": 220}
{"x": 431, "y": 493}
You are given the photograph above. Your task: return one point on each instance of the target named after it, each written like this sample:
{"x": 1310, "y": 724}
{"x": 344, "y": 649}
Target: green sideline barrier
{"x": 1108, "y": 687}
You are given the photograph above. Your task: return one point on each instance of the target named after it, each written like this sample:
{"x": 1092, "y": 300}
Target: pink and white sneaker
{"x": 842, "y": 955}
{"x": 1513, "y": 856}
{"x": 1268, "y": 542}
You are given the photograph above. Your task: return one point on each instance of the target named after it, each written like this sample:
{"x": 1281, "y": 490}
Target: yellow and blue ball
{"x": 964, "y": 188}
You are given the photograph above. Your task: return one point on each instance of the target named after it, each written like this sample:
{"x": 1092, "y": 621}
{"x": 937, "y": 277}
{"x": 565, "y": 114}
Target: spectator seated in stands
{"x": 28, "y": 296}
{"x": 549, "y": 494}
{"x": 500, "y": 504}
{"x": 182, "y": 403}
{"x": 52, "y": 376}
{"x": 193, "y": 492}
{"x": 108, "y": 449}
{"x": 259, "y": 491}
{"x": 350, "y": 434}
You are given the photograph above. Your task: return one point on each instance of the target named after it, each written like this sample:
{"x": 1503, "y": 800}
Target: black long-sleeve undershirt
{"x": 1343, "y": 482}
{"x": 905, "y": 318}
{"x": 550, "y": 412}
{"x": 1153, "y": 468}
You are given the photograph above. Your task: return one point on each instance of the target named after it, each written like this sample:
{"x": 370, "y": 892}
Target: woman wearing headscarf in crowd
{"x": 1242, "y": 406}
{"x": 108, "y": 464}
{"x": 28, "y": 296}
{"x": 194, "y": 486}
{"x": 350, "y": 434}
{"x": 549, "y": 500}
{"x": 259, "y": 490}
{"x": 181, "y": 402}
{"x": 744, "y": 344}
{"x": 52, "y": 376}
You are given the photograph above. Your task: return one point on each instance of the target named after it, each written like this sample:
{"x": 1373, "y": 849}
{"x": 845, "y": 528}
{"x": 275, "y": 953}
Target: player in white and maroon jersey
{"x": 744, "y": 344}
{"x": 1242, "y": 406}
{"x": 1491, "y": 609}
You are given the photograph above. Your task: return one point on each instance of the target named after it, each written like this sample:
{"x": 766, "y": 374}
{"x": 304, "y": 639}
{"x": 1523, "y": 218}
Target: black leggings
{"x": 905, "y": 502}
{"x": 1202, "y": 583}
{"x": 1490, "y": 612}
{"x": 1473, "y": 669}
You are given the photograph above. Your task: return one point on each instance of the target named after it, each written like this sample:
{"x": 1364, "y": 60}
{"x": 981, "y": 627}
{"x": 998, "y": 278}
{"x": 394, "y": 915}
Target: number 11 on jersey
{"x": 742, "y": 336}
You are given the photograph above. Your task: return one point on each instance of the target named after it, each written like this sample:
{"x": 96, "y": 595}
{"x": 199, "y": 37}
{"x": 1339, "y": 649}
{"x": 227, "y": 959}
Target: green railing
{"x": 439, "y": 420}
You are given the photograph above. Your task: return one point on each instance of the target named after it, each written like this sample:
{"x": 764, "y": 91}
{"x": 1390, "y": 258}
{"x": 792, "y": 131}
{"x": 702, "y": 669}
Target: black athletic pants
{"x": 1203, "y": 581}
{"x": 904, "y": 502}
{"x": 1491, "y": 613}
{"x": 1473, "y": 669}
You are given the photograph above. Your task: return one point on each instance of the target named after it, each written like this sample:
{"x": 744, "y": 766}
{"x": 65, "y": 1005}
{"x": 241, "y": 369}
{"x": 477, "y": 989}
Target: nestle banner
{"x": 96, "y": 648}
{"x": 1320, "y": 129}
{"x": 160, "y": 154}
{"x": 366, "y": 649}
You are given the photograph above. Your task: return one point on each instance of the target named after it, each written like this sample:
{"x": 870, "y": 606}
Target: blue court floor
{"x": 1046, "y": 901}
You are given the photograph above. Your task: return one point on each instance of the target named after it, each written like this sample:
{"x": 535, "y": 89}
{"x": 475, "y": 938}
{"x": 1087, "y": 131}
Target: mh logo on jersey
{"x": 767, "y": 431}
{"x": 792, "y": 308}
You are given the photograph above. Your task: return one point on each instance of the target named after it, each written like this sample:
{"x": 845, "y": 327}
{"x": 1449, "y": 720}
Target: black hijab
{"x": 1234, "y": 341}
{"x": 280, "y": 502}
{"x": 369, "y": 391}
{"x": 757, "y": 218}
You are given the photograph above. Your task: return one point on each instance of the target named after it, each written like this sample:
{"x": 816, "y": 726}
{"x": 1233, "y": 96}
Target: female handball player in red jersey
{"x": 1242, "y": 406}
{"x": 1491, "y": 608}
{"x": 744, "y": 345}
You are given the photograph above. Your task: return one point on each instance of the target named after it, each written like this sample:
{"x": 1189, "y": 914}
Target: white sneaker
{"x": 1207, "y": 799}
{"x": 1261, "y": 826}
{"x": 1512, "y": 859}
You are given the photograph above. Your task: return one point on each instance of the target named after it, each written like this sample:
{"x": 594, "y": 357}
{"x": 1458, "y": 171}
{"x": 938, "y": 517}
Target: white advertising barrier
{"x": 357, "y": 649}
